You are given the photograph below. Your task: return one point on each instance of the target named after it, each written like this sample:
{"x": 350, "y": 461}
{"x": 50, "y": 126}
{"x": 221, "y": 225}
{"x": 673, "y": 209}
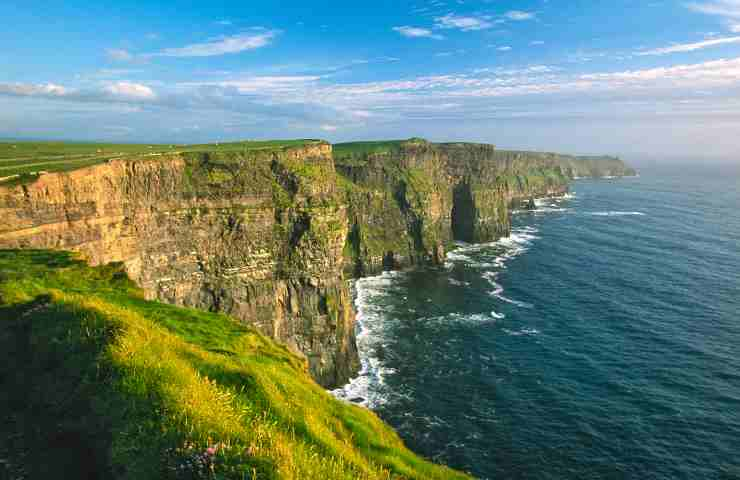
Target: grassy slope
{"x": 23, "y": 158}
{"x": 98, "y": 382}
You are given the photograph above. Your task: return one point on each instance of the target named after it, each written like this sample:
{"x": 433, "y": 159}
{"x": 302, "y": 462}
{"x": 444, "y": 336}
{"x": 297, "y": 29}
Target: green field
{"x": 30, "y": 158}
{"x": 97, "y": 382}
{"x": 358, "y": 149}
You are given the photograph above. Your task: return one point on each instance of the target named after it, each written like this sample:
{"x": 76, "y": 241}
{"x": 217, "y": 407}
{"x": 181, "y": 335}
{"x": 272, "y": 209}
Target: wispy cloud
{"x": 723, "y": 8}
{"x": 265, "y": 84}
{"x": 518, "y": 15}
{"x": 416, "y": 32}
{"x": 450, "y": 54}
{"x": 111, "y": 92}
{"x": 536, "y": 43}
{"x": 119, "y": 55}
{"x": 222, "y": 45}
{"x": 325, "y": 105}
{"x": 32, "y": 90}
{"x": 464, "y": 23}
{"x": 689, "y": 47}
{"x": 504, "y": 48}
{"x": 130, "y": 90}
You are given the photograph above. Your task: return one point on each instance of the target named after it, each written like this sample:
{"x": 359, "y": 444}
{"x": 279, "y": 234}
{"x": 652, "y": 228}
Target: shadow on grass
{"x": 38, "y": 258}
{"x": 46, "y": 395}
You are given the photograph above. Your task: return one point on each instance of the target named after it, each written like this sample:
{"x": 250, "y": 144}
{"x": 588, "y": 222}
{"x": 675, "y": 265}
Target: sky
{"x": 622, "y": 77}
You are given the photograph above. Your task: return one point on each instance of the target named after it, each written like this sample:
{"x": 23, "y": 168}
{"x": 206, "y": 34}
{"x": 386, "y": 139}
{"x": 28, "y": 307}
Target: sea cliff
{"x": 270, "y": 236}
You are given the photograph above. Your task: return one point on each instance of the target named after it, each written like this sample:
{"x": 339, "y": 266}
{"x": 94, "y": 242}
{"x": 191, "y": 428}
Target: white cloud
{"x": 505, "y": 48}
{"x": 723, "y": 8}
{"x": 450, "y": 54}
{"x": 690, "y": 47}
{"x": 320, "y": 102}
{"x": 31, "y": 90}
{"x": 466, "y": 24}
{"x": 535, "y": 43}
{"x": 130, "y": 90}
{"x": 735, "y": 28}
{"x": 263, "y": 84}
{"x": 518, "y": 15}
{"x": 119, "y": 55}
{"x": 222, "y": 45}
{"x": 416, "y": 32}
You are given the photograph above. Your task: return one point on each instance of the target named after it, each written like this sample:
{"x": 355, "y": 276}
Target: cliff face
{"x": 258, "y": 236}
{"x": 409, "y": 202}
{"x": 267, "y": 236}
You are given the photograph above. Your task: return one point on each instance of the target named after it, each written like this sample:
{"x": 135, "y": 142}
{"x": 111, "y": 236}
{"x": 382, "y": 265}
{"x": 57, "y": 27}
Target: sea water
{"x": 600, "y": 340}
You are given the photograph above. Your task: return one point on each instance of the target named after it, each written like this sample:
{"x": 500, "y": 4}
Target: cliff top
{"x": 28, "y": 159}
{"x": 139, "y": 389}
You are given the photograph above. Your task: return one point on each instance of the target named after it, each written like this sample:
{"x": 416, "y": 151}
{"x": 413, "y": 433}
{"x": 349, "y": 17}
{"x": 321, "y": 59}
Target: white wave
{"x": 524, "y": 331}
{"x": 498, "y": 291}
{"x": 367, "y": 388}
{"x": 614, "y": 214}
{"x": 460, "y": 318}
{"x": 549, "y": 209}
{"x": 374, "y": 318}
{"x": 518, "y": 303}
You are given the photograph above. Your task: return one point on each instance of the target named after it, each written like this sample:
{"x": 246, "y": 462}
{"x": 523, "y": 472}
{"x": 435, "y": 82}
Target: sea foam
{"x": 367, "y": 388}
{"x": 615, "y": 214}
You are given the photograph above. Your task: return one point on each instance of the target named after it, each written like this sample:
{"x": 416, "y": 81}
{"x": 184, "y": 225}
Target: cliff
{"x": 255, "y": 234}
{"x": 409, "y": 201}
{"x": 268, "y": 235}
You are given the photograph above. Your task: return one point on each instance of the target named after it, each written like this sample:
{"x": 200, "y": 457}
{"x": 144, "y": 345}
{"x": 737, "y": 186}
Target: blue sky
{"x": 623, "y": 77}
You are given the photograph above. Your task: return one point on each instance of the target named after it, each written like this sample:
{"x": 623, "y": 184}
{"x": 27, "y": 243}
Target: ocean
{"x": 601, "y": 340}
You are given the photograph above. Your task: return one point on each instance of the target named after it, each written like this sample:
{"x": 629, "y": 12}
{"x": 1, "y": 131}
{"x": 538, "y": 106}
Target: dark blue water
{"x": 602, "y": 340}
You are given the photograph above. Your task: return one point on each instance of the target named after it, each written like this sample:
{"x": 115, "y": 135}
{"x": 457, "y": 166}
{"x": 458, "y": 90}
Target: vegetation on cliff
{"x": 28, "y": 159}
{"x": 97, "y": 382}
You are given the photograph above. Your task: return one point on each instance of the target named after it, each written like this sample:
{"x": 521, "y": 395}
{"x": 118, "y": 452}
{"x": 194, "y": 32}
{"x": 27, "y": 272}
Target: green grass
{"x": 28, "y": 158}
{"x": 358, "y": 149}
{"x": 98, "y": 382}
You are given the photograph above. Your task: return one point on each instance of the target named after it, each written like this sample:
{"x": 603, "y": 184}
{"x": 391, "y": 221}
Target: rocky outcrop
{"x": 268, "y": 236}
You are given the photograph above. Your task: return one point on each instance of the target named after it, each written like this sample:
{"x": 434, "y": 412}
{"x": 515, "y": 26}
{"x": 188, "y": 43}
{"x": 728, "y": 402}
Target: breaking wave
{"x": 367, "y": 388}
{"x": 614, "y": 214}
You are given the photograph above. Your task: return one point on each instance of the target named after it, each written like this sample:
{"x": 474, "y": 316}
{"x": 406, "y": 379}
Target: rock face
{"x": 268, "y": 236}
{"x": 258, "y": 236}
{"x": 408, "y": 203}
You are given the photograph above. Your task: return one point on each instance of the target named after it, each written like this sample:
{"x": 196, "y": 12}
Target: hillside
{"x": 98, "y": 382}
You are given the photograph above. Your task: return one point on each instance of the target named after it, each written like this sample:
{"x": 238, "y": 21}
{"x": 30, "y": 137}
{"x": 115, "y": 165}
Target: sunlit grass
{"x": 132, "y": 388}
{"x": 30, "y": 158}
